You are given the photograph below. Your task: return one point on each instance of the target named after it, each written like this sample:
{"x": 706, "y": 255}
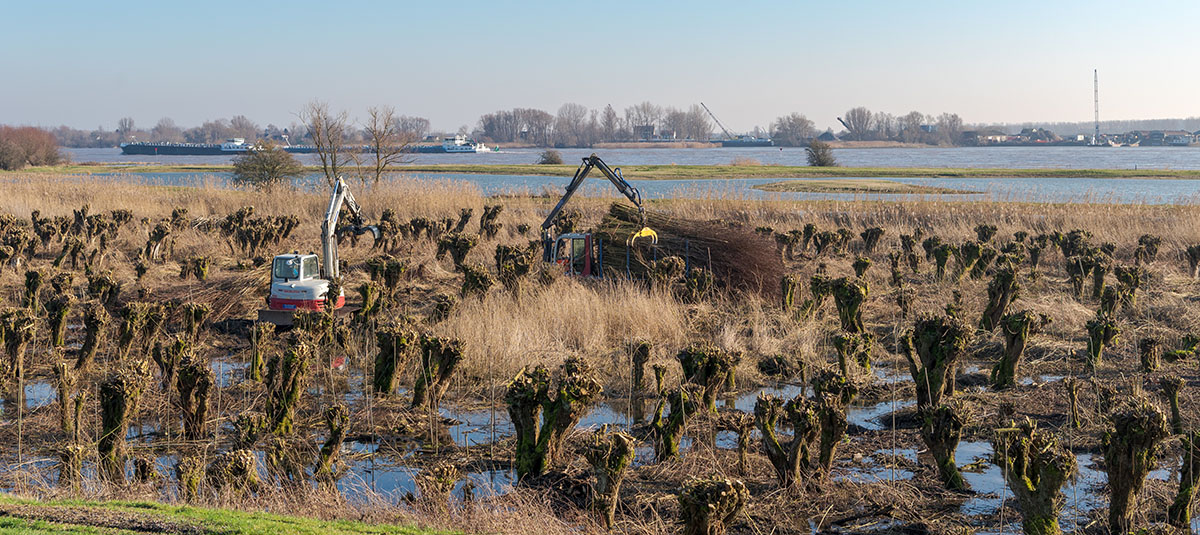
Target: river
{"x": 1058, "y": 190}
{"x": 983, "y": 157}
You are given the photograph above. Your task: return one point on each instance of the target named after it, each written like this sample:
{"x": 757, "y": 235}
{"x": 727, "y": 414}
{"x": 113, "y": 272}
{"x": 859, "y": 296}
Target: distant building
{"x": 644, "y": 131}
{"x": 827, "y": 137}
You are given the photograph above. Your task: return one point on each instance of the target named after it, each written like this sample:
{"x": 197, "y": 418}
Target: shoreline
{"x": 666, "y": 172}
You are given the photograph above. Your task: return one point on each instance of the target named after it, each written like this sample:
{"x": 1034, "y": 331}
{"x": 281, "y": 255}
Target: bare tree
{"x": 858, "y": 122}
{"x": 125, "y": 128}
{"x": 417, "y": 127}
{"x": 642, "y": 119}
{"x": 609, "y": 124}
{"x": 674, "y": 124}
{"x": 166, "y": 130}
{"x": 792, "y": 130}
{"x": 243, "y": 127}
{"x": 698, "y": 128}
{"x": 910, "y": 127}
{"x": 388, "y": 140}
{"x": 571, "y": 125}
{"x": 328, "y": 132}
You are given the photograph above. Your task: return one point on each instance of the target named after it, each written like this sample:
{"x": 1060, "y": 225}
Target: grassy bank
{"x": 70, "y": 516}
{"x": 678, "y": 172}
{"x": 861, "y": 185}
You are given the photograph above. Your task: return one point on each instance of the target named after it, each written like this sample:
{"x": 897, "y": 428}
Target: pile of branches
{"x": 738, "y": 257}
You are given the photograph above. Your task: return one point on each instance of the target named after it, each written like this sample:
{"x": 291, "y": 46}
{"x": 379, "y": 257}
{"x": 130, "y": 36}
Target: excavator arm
{"x": 330, "y": 231}
{"x": 614, "y": 176}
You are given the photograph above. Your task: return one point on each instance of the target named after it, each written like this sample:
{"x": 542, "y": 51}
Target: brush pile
{"x": 738, "y": 257}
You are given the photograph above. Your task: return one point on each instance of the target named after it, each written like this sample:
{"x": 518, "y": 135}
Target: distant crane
{"x": 711, "y": 114}
{"x": 851, "y": 130}
{"x": 1096, "y": 96}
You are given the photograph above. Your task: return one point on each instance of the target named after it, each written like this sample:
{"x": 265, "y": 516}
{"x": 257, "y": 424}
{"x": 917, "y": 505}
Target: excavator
{"x": 301, "y": 281}
{"x": 579, "y": 253}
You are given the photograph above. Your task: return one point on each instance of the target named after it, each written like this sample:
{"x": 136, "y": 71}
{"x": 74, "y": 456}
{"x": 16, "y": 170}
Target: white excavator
{"x": 301, "y": 281}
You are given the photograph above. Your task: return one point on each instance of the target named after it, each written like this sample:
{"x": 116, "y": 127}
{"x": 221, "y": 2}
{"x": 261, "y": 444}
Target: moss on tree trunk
{"x": 395, "y": 348}
{"x": 709, "y": 506}
{"x": 1035, "y": 467}
{"x": 941, "y": 430}
{"x": 1130, "y": 448}
{"x": 529, "y": 398}
{"x": 708, "y": 367}
{"x": 609, "y": 453}
{"x": 1002, "y": 290}
{"x": 336, "y": 420}
{"x": 439, "y": 358}
{"x": 119, "y": 394}
{"x": 792, "y": 460}
{"x": 1017, "y": 328}
{"x": 1179, "y": 514}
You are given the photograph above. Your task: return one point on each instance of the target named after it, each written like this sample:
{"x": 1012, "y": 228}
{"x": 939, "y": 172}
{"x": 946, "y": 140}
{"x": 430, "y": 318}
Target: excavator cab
{"x": 578, "y": 254}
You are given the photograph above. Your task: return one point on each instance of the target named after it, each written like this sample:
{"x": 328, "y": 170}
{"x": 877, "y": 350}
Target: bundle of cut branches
{"x": 738, "y": 257}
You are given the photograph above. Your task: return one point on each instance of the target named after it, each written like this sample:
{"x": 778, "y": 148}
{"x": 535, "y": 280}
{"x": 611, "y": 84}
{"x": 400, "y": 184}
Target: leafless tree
{"x": 243, "y": 127}
{"x": 642, "y": 118}
{"x": 166, "y": 130}
{"x": 674, "y": 124}
{"x": 571, "y": 126}
{"x": 698, "y": 126}
{"x": 417, "y": 127}
{"x": 125, "y": 128}
{"x": 858, "y": 122}
{"x": 910, "y": 127}
{"x": 949, "y": 128}
{"x": 328, "y": 132}
{"x": 609, "y": 124}
{"x": 792, "y": 130}
{"x": 389, "y": 142}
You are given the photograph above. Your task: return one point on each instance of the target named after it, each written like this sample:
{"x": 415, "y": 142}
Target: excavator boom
{"x": 614, "y": 176}
{"x": 330, "y": 232}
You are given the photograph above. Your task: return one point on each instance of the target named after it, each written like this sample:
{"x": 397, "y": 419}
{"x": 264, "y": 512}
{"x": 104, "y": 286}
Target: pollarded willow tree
{"x": 710, "y": 367}
{"x": 683, "y": 402}
{"x": 1179, "y": 514}
{"x": 194, "y": 381}
{"x": 439, "y": 358}
{"x": 609, "y": 453}
{"x": 1036, "y": 467}
{"x": 1002, "y": 291}
{"x": 1130, "y": 450}
{"x": 285, "y": 378}
{"x": 791, "y": 460}
{"x": 531, "y": 399}
{"x": 849, "y": 295}
{"x": 396, "y": 345}
{"x": 708, "y": 506}
{"x": 933, "y": 348}
{"x": 1017, "y": 328}
{"x": 119, "y": 395}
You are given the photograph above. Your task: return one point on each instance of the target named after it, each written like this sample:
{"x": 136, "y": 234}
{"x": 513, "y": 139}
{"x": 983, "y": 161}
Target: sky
{"x": 87, "y": 64}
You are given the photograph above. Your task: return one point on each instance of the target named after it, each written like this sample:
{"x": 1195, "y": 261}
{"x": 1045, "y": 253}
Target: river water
{"x": 984, "y": 157}
{"x": 1057, "y": 190}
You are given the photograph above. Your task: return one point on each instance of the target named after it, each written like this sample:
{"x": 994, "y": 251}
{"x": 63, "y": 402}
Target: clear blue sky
{"x": 86, "y": 64}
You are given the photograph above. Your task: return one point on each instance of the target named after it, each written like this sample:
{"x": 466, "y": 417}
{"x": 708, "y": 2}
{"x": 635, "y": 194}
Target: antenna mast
{"x": 1096, "y": 97}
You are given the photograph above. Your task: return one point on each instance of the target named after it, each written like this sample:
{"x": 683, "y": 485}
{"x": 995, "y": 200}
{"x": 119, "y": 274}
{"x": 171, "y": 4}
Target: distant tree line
{"x": 575, "y": 125}
{"x": 861, "y": 124}
{"x": 217, "y": 131}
